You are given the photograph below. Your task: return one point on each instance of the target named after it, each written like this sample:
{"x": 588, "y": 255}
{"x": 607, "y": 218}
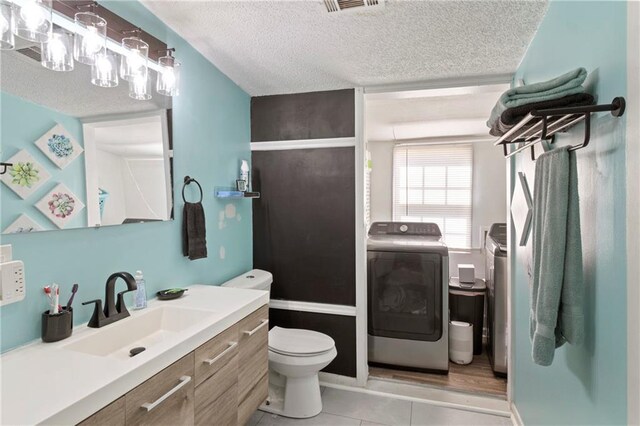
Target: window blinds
{"x": 433, "y": 183}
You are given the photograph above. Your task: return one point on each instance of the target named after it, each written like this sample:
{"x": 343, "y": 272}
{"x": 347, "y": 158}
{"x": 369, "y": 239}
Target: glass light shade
{"x": 134, "y": 62}
{"x": 140, "y": 87}
{"x": 91, "y": 39}
{"x": 168, "y": 80}
{"x": 32, "y": 20}
{"x": 7, "y": 40}
{"x": 104, "y": 71}
{"x": 57, "y": 51}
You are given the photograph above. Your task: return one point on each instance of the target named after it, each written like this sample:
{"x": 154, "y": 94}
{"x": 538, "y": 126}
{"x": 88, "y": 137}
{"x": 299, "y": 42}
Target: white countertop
{"x": 48, "y": 383}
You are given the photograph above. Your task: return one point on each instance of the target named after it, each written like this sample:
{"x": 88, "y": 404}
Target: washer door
{"x": 405, "y": 295}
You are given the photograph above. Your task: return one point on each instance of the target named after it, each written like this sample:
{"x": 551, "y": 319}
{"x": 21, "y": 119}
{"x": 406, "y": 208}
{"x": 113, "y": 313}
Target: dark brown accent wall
{"x": 312, "y": 115}
{"x": 341, "y": 328}
{"x": 304, "y": 223}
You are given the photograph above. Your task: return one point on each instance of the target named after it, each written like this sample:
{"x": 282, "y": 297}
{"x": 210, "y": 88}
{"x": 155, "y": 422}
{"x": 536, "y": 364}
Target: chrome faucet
{"x": 113, "y": 310}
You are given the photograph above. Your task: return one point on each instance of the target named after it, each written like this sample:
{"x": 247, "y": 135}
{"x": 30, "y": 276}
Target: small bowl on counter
{"x": 171, "y": 293}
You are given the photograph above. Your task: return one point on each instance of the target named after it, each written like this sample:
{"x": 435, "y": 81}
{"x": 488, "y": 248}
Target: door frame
{"x": 633, "y": 206}
{"x": 362, "y": 365}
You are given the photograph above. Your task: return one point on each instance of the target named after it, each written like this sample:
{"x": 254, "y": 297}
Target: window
{"x": 433, "y": 183}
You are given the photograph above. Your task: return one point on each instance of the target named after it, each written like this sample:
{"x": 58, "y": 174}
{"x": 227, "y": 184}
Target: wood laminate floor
{"x": 476, "y": 378}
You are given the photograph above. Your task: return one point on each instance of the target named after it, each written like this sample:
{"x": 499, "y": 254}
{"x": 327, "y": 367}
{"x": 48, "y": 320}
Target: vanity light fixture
{"x": 104, "y": 71}
{"x": 91, "y": 37}
{"x": 31, "y": 20}
{"x": 168, "y": 81}
{"x": 7, "y": 40}
{"x": 57, "y": 51}
{"x": 134, "y": 62}
{"x": 140, "y": 87}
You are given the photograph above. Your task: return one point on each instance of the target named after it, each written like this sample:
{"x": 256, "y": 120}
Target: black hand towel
{"x": 194, "y": 232}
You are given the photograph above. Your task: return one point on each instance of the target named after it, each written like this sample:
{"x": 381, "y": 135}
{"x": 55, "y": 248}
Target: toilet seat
{"x": 299, "y": 343}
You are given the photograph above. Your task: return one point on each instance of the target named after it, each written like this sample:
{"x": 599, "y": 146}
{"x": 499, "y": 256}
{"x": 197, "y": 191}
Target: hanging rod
{"x": 553, "y": 120}
{"x": 4, "y": 166}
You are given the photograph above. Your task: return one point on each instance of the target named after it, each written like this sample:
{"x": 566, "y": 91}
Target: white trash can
{"x": 460, "y": 342}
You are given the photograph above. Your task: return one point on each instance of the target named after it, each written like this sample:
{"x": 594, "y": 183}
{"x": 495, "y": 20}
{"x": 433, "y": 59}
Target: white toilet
{"x": 295, "y": 358}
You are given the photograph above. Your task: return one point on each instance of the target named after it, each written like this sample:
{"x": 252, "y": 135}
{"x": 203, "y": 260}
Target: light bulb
{"x": 92, "y": 41}
{"x": 139, "y": 87}
{"x": 57, "y": 49}
{"x": 169, "y": 78}
{"x": 32, "y": 14}
{"x": 103, "y": 70}
{"x": 103, "y": 64}
{"x": 4, "y": 25}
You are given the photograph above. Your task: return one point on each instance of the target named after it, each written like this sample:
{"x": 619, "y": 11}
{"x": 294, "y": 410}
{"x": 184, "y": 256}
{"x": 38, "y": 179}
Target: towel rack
{"x": 4, "y": 167}
{"x": 187, "y": 181}
{"x": 545, "y": 123}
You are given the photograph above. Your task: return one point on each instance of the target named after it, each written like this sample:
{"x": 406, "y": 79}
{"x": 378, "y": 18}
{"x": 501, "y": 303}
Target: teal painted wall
{"x": 21, "y": 124}
{"x": 587, "y": 384}
{"x": 211, "y": 135}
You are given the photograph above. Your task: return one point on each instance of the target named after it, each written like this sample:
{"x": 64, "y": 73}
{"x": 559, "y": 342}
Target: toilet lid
{"x": 293, "y": 341}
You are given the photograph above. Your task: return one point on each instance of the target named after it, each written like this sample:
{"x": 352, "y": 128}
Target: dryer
{"x": 407, "y": 280}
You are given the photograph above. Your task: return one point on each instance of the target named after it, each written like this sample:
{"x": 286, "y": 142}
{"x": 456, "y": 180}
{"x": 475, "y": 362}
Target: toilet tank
{"x": 256, "y": 279}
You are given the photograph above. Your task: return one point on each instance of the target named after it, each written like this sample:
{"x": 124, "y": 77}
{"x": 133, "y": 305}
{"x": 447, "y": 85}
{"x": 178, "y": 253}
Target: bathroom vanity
{"x": 205, "y": 362}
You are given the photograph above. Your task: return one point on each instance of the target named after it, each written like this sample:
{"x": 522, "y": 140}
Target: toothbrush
{"x": 74, "y": 289}
{"x": 56, "y": 296}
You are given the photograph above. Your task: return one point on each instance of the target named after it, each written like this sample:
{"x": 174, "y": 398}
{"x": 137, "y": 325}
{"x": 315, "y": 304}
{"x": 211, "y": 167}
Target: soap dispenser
{"x": 141, "y": 292}
{"x": 244, "y": 174}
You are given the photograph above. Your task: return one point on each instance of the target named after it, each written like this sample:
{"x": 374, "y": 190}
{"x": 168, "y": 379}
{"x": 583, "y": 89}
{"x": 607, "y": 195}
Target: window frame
{"x": 394, "y": 214}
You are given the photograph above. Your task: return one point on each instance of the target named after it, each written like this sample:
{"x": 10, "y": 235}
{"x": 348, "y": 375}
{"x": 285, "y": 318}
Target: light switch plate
{"x": 6, "y": 253}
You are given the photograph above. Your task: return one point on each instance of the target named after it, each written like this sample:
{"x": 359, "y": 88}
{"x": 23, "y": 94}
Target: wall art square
{"x": 522, "y": 209}
{"x": 60, "y": 206}
{"x": 22, "y": 225}
{"x": 59, "y": 146}
{"x": 26, "y": 175}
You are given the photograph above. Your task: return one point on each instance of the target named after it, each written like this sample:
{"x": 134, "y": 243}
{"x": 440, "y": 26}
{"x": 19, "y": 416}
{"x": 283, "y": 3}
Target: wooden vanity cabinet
{"x": 253, "y": 377}
{"x": 112, "y": 415}
{"x": 221, "y": 383}
{"x": 165, "y": 399}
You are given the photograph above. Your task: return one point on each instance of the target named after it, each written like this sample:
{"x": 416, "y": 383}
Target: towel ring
{"x": 187, "y": 181}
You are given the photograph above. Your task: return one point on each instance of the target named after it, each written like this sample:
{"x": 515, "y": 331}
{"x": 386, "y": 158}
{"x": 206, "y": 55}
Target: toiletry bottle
{"x": 141, "y": 292}
{"x": 244, "y": 173}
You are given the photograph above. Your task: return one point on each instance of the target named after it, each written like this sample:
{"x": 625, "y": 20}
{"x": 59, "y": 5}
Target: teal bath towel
{"x": 557, "y": 275}
{"x": 559, "y": 87}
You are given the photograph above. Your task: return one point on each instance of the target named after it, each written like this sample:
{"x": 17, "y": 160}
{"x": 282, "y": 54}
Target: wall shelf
{"x": 233, "y": 193}
{"x": 542, "y": 125}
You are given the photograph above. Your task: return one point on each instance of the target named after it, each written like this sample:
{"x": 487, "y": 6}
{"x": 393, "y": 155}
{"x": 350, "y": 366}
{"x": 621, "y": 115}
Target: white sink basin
{"x": 144, "y": 329}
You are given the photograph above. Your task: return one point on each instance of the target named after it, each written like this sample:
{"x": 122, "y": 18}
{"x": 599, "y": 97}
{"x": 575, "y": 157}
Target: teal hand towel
{"x": 557, "y": 275}
{"x": 556, "y": 88}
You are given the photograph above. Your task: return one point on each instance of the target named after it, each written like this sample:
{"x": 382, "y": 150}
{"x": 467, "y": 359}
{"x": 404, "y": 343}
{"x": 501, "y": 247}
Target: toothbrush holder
{"x": 58, "y": 326}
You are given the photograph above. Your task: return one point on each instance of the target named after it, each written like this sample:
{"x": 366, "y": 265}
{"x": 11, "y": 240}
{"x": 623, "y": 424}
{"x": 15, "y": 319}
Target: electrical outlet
{"x": 12, "y": 283}
{"x": 6, "y": 253}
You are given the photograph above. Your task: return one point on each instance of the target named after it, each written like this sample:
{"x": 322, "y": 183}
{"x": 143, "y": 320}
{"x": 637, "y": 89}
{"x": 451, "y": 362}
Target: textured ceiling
{"x": 273, "y": 47}
{"x": 431, "y": 113}
{"x": 70, "y": 93}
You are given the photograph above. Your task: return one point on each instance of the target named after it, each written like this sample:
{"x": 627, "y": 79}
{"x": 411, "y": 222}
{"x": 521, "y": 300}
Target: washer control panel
{"x": 405, "y": 228}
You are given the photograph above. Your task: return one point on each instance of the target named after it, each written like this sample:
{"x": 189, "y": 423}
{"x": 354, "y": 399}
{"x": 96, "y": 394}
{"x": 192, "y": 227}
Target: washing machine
{"x": 496, "y": 261}
{"x": 407, "y": 279}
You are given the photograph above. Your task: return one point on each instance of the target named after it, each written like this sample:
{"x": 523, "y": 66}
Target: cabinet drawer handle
{"x": 223, "y": 353}
{"x": 151, "y": 405}
{"x": 255, "y": 330}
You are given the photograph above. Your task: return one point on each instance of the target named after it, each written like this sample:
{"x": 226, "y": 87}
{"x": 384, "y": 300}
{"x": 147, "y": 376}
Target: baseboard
{"x": 515, "y": 416}
{"x": 330, "y": 379}
{"x": 416, "y": 393}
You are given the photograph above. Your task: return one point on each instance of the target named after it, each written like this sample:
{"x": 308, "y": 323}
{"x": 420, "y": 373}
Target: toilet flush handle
{"x": 255, "y": 330}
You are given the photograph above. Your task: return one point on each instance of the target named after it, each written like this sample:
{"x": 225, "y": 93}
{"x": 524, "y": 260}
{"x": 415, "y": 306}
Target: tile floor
{"x": 345, "y": 408}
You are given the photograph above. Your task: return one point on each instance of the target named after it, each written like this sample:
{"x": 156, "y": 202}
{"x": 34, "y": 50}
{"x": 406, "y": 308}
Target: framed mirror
{"x": 82, "y": 155}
